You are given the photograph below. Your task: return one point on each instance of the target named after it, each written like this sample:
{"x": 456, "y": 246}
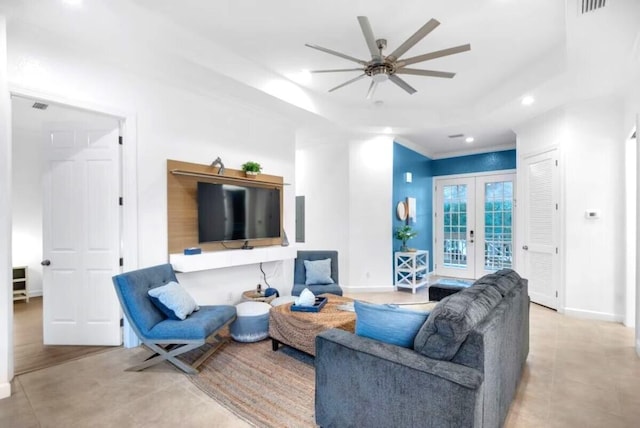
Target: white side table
{"x": 411, "y": 269}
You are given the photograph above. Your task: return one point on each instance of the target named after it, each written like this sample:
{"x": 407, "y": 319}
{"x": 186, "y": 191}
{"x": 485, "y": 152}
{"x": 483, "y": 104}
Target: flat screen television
{"x": 232, "y": 212}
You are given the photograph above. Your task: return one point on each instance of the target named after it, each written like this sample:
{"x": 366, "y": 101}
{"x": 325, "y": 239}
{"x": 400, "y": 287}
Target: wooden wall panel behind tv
{"x": 182, "y": 203}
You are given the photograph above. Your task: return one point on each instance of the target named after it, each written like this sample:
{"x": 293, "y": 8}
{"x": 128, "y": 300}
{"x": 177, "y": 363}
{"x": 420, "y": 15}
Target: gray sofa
{"x": 464, "y": 369}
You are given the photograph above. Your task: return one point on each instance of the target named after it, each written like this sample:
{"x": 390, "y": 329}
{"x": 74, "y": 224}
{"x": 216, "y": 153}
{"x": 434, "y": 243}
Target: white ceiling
{"x": 518, "y": 47}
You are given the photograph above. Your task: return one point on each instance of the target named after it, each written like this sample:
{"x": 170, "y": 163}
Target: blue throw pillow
{"x": 318, "y": 272}
{"x": 173, "y": 300}
{"x": 388, "y": 323}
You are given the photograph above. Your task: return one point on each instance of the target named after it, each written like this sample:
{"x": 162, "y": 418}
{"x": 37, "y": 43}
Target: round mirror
{"x": 401, "y": 210}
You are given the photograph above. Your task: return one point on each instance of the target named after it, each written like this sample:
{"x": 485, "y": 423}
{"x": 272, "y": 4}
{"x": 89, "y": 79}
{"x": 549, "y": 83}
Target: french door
{"x": 474, "y": 225}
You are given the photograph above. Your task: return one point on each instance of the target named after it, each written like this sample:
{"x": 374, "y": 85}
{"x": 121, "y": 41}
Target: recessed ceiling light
{"x": 469, "y": 139}
{"x": 387, "y": 130}
{"x": 528, "y": 100}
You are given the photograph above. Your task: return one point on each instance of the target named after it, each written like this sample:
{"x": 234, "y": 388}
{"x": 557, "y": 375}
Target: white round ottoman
{"x": 282, "y": 300}
{"x": 252, "y": 322}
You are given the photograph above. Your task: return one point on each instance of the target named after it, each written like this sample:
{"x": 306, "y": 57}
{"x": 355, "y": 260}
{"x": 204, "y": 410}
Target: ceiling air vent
{"x": 40, "y": 106}
{"x": 591, "y": 5}
{"x": 456, "y": 136}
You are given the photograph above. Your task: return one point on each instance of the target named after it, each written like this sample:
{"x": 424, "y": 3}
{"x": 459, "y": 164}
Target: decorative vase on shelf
{"x": 403, "y": 247}
{"x": 251, "y": 174}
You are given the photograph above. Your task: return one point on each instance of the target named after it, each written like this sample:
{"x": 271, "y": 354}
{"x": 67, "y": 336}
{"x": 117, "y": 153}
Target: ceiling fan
{"x": 381, "y": 67}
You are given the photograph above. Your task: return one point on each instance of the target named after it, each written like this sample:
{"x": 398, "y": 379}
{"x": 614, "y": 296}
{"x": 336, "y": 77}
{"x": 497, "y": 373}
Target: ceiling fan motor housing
{"x": 379, "y": 72}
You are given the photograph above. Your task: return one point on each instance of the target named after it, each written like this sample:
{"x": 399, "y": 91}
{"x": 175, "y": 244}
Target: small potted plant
{"x": 404, "y": 233}
{"x": 251, "y": 169}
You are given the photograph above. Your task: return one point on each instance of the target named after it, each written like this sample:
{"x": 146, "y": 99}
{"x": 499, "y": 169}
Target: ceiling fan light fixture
{"x": 380, "y": 77}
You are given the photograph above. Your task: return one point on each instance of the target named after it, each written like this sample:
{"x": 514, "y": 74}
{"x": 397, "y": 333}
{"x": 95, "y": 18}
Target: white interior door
{"x": 474, "y": 225}
{"x": 81, "y": 226}
{"x": 541, "y": 227}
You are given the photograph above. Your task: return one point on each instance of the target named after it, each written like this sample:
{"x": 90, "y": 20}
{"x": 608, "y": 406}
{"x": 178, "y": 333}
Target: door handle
{"x": 46, "y": 262}
{"x": 525, "y": 247}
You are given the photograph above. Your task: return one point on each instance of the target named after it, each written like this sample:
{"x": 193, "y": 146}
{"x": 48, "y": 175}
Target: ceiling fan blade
{"x": 348, "y": 82}
{"x": 372, "y": 89}
{"x": 404, "y": 85}
{"x": 369, "y": 38}
{"x": 434, "y": 55}
{"x": 430, "y": 73}
{"x": 411, "y": 41}
{"x": 337, "y": 70}
{"x": 332, "y": 52}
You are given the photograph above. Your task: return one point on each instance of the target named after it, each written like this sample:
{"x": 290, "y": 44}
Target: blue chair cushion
{"x": 199, "y": 325}
{"x": 317, "y": 289}
{"x": 318, "y": 272}
{"x": 173, "y": 300}
{"x": 388, "y": 323}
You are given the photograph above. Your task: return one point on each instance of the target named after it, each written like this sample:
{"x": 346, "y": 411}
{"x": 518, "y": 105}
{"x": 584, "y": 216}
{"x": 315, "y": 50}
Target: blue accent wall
{"x": 421, "y": 188}
{"x": 483, "y": 162}
{"x": 423, "y": 170}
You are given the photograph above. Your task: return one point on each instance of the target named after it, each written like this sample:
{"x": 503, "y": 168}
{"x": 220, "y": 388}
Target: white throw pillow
{"x": 173, "y": 300}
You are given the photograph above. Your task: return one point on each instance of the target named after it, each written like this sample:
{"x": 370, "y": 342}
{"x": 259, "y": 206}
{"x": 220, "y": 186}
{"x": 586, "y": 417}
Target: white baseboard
{"x": 5, "y": 390}
{"x": 593, "y": 315}
{"x": 36, "y": 293}
{"x": 369, "y": 289}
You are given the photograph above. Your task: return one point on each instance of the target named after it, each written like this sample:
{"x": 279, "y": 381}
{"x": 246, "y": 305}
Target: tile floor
{"x": 579, "y": 373}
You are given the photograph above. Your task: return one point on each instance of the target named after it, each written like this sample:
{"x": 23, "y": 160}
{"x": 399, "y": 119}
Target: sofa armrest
{"x": 363, "y": 382}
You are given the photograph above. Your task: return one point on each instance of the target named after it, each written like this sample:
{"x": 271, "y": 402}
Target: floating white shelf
{"x": 222, "y": 259}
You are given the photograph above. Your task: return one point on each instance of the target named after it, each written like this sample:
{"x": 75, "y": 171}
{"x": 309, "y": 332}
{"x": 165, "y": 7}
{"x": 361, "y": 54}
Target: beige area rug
{"x": 266, "y": 388}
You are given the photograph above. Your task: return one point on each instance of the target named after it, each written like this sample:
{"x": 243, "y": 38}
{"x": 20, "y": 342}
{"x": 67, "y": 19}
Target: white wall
{"x": 347, "y": 184}
{"x": 594, "y": 174}
{"x": 370, "y": 202}
{"x": 173, "y": 122}
{"x": 592, "y": 146}
{"x": 6, "y": 292}
{"x": 27, "y": 203}
{"x": 322, "y": 177}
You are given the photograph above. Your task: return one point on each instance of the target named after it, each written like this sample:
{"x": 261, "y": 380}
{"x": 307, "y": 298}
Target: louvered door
{"x": 541, "y": 227}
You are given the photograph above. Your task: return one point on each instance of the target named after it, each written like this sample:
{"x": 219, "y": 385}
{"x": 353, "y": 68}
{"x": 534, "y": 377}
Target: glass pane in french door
{"x": 498, "y": 225}
{"x": 455, "y": 226}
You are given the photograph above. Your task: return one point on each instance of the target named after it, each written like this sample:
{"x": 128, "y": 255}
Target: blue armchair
{"x": 299, "y": 273}
{"x": 166, "y": 337}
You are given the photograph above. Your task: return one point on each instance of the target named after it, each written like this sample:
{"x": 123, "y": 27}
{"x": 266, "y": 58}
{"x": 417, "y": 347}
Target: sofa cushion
{"x": 453, "y": 318}
{"x": 318, "y": 272}
{"x": 504, "y": 280}
{"x": 388, "y": 323}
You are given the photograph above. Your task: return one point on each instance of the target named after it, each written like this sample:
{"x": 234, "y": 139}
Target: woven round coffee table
{"x": 299, "y": 329}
